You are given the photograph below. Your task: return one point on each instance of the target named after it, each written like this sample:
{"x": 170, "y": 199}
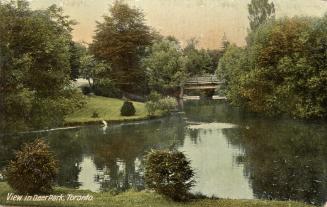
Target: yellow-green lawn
{"x": 108, "y": 109}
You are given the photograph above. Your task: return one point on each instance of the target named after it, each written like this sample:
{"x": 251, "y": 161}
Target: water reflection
{"x": 213, "y": 158}
{"x": 235, "y": 154}
{"x": 285, "y": 161}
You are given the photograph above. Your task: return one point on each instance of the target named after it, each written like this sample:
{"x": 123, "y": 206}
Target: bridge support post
{"x": 181, "y": 93}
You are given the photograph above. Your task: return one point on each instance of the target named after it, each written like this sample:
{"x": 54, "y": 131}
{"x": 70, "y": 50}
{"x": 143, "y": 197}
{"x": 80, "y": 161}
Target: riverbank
{"x": 107, "y": 109}
{"x": 133, "y": 199}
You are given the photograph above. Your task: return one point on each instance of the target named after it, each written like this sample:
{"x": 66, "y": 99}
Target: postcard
{"x": 132, "y": 103}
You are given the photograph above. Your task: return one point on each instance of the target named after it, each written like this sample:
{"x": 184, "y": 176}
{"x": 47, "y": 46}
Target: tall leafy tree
{"x": 166, "y": 67}
{"x": 121, "y": 40}
{"x": 282, "y": 71}
{"x": 199, "y": 61}
{"x": 259, "y": 12}
{"x": 77, "y": 51}
{"x": 94, "y": 71}
{"x": 35, "y": 66}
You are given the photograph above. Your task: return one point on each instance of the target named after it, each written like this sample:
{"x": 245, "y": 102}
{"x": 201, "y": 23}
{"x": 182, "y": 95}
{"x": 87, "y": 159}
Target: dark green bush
{"x": 33, "y": 170}
{"x": 127, "y": 109}
{"x": 95, "y": 115}
{"x": 86, "y": 90}
{"x": 107, "y": 90}
{"x": 169, "y": 173}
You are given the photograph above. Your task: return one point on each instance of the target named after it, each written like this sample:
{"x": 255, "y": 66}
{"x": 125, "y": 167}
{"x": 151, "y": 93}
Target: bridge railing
{"x": 208, "y": 79}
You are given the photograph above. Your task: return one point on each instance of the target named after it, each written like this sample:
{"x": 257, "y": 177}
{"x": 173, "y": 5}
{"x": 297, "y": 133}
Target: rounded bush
{"x": 33, "y": 170}
{"x": 95, "y": 114}
{"x": 127, "y": 109}
{"x": 169, "y": 173}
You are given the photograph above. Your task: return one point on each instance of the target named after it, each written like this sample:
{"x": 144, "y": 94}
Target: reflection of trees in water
{"x": 118, "y": 155}
{"x": 215, "y": 111}
{"x": 194, "y": 135}
{"x": 9, "y": 145}
{"x": 285, "y": 160}
{"x": 64, "y": 144}
{"x": 68, "y": 149}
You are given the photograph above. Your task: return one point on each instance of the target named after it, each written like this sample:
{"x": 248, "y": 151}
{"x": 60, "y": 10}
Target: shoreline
{"x": 77, "y": 125}
{"x": 112, "y": 121}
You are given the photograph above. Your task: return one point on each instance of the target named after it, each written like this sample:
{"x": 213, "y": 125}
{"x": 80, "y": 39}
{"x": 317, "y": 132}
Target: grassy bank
{"x": 108, "y": 109}
{"x": 138, "y": 199}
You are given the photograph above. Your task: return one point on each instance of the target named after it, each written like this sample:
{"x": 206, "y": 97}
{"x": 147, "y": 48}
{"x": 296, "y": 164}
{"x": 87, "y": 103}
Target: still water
{"x": 234, "y": 154}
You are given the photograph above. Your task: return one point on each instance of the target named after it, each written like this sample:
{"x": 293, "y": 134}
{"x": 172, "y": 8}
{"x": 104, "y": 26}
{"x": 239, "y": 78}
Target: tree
{"x": 35, "y": 67}
{"x": 166, "y": 67}
{"x": 77, "y": 51}
{"x": 199, "y": 61}
{"x": 94, "y": 71}
{"x": 121, "y": 40}
{"x": 259, "y": 12}
{"x": 232, "y": 66}
{"x": 282, "y": 71}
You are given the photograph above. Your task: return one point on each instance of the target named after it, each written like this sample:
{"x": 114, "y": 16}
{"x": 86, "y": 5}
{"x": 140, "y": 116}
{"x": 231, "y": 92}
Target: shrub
{"x": 154, "y": 96}
{"x": 107, "y": 90}
{"x": 33, "y": 170}
{"x": 151, "y": 107}
{"x": 169, "y": 173}
{"x": 167, "y": 104}
{"x": 127, "y": 109}
{"x": 157, "y": 102}
{"x": 86, "y": 90}
{"x": 95, "y": 115}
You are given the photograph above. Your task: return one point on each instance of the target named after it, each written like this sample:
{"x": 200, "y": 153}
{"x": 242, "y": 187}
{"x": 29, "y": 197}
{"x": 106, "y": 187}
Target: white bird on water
{"x": 104, "y": 126}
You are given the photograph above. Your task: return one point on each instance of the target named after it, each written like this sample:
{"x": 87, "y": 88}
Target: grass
{"x": 108, "y": 109}
{"x": 138, "y": 199}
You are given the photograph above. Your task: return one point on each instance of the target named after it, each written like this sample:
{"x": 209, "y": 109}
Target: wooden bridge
{"x": 207, "y": 83}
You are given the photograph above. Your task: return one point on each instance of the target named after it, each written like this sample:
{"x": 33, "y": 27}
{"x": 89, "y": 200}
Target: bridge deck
{"x": 200, "y": 87}
{"x": 206, "y": 82}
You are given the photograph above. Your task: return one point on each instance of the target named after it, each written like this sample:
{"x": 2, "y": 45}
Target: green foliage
{"x": 86, "y": 90}
{"x": 198, "y": 61}
{"x": 169, "y": 173}
{"x": 107, "y": 89}
{"x": 50, "y": 112}
{"x": 77, "y": 51}
{"x": 151, "y": 107}
{"x": 121, "y": 39}
{"x": 94, "y": 70}
{"x": 166, "y": 66}
{"x": 127, "y": 109}
{"x": 33, "y": 170}
{"x": 98, "y": 75}
{"x": 282, "y": 70}
{"x": 215, "y": 56}
{"x": 259, "y": 12}
{"x": 157, "y": 102}
{"x": 35, "y": 66}
{"x": 154, "y": 96}
{"x": 230, "y": 69}
{"x": 167, "y": 104}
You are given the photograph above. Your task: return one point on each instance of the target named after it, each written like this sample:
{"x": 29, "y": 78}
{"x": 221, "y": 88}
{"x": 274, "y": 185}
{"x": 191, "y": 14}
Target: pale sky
{"x": 206, "y": 20}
